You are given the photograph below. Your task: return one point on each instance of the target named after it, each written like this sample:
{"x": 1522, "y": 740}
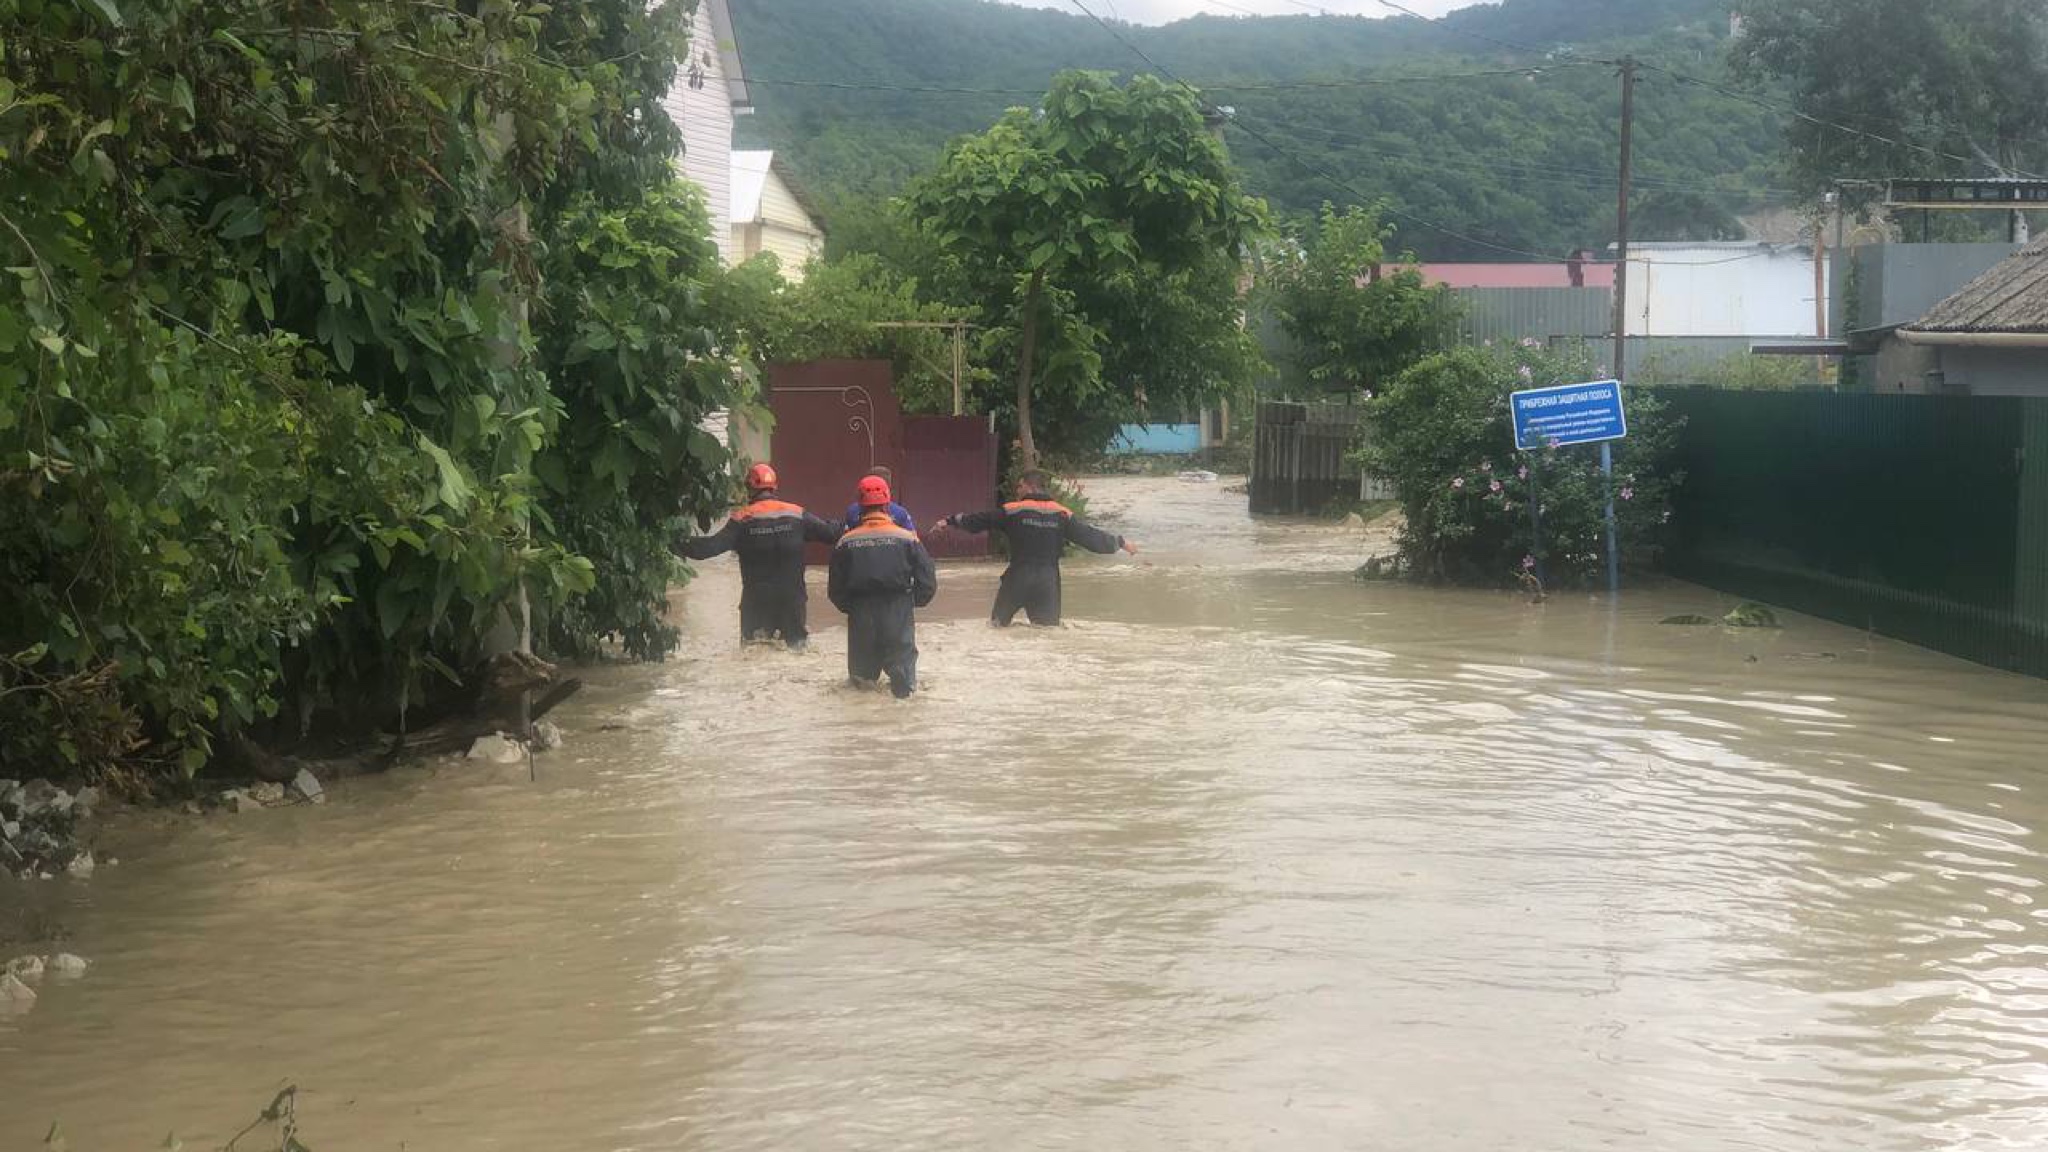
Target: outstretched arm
{"x": 972, "y": 522}
{"x": 1095, "y": 539}
{"x": 716, "y": 544}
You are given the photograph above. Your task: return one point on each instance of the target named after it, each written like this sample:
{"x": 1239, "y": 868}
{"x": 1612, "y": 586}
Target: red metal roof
{"x": 1599, "y": 274}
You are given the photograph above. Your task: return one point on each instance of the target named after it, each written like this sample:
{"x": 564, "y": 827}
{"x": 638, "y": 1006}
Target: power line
{"x": 1371, "y": 146}
{"x": 1225, "y": 5}
{"x": 1316, "y": 169}
{"x": 1510, "y": 45}
{"x": 1361, "y": 82}
{"x": 1795, "y": 111}
{"x": 1712, "y": 86}
{"x": 1339, "y": 182}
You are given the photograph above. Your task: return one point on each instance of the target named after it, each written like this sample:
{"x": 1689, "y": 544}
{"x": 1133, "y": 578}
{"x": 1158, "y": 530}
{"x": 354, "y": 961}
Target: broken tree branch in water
{"x": 283, "y": 1110}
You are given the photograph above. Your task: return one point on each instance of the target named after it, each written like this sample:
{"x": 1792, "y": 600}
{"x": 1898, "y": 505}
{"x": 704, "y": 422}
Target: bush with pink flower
{"x": 1441, "y": 434}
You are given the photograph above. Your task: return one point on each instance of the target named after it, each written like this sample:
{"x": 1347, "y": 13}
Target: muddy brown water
{"x": 1251, "y": 856}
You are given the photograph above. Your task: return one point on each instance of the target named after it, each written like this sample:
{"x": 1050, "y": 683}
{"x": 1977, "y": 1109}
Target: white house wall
{"x": 1707, "y": 291}
{"x": 786, "y": 229}
{"x": 701, "y": 105}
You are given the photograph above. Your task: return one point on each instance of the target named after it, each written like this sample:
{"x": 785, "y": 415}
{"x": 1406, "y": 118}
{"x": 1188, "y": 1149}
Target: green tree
{"x": 1046, "y": 207}
{"x": 1354, "y": 321}
{"x": 1965, "y": 78}
{"x": 322, "y": 341}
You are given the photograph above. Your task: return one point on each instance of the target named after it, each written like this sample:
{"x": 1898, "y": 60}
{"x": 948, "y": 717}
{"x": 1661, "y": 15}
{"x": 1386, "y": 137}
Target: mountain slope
{"x": 1498, "y": 164}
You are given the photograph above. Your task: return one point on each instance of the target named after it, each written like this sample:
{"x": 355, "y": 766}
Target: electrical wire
{"x": 1714, "y": 86}
{"x": 1361, "y": 82}
{"x": 1339, "y": 182}
{"x": 1795, "y": 111}
{"x": 1564, "y": 173}
{"x": 1308, "y": 166}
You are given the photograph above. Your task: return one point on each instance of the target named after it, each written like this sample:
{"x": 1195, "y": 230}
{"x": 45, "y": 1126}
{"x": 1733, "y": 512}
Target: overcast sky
{"x": 1162, "y": 11}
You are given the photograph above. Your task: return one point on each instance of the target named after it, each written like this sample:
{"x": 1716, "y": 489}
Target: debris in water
{"x": 1687, "y": 621}
{"x": 66, "y": 966}
{"x": 546, "y": 736}
{"x": 1750, "y": 614}
{"x": 306, "y": 788}
{"x": 14, "y": 992}
{"x": 497, "y": 748}
{"x": 26, "y": 968}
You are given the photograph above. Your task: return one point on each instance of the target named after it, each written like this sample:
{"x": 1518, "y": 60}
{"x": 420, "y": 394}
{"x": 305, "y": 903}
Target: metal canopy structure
{"x": 1987, "y": 195}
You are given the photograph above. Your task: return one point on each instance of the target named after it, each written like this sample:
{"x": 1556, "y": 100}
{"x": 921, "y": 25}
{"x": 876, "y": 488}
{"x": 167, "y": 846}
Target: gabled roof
{"x": 2011, "y": 297}
{"x": 729, "y": 55}
{"x": 750, "y": 172}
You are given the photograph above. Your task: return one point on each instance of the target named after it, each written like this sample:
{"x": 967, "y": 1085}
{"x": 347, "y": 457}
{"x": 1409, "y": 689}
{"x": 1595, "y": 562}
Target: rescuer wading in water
{"x": 1039, "y": 529}
{"x": 880, "y": 575}
{"x": 769, "y": 535}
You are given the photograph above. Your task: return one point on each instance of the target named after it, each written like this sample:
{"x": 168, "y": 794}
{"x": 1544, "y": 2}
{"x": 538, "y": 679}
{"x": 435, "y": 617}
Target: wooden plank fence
{"x": 1304, "y": 458}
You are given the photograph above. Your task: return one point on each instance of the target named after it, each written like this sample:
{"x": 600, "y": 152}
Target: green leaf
{"x": 108, "y": 10}
{"x": 454, "y": 489}
{"x": 51, "y": 341}
{"x": 391, "y": 612}
{"x": 181, "y": 96}
{"x": 235, "y": 42}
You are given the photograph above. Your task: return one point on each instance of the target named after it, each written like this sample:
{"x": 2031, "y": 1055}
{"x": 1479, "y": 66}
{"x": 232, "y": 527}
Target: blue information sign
{"x": 1569, "y": 414}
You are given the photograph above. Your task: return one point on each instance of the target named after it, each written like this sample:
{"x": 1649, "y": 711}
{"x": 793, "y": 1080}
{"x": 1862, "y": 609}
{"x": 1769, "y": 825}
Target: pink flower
{"x": 1531, "y": 342}
{"x": 1528, "y": 562}
{"x": 1525, "y": 373}
{"x": 1628, "y": 493}
{"x": 1496, "y": 486}
{"x": 1459, "y": 482}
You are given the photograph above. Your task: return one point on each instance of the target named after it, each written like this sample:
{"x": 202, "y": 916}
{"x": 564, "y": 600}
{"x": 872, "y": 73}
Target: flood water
{"x": 1249, "y": 856}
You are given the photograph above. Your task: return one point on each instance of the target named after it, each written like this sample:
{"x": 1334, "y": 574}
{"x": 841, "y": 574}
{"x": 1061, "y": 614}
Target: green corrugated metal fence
{"x": 1919, "y": 517}
{"x": 1504, "y": 315}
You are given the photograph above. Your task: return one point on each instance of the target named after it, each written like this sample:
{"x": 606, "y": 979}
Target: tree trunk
{"x": 1027, "y": 444}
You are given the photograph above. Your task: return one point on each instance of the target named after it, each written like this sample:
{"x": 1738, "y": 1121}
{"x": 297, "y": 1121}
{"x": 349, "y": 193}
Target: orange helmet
{"x": 874, "y": 492}
{"x": 761, "y": 478}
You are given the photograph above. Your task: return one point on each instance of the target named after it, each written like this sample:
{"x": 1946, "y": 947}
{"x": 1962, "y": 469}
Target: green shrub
{"x": 1443, "y": 437}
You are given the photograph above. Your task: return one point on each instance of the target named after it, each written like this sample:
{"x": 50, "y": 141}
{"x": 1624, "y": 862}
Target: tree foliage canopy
{"x": 1923, "y": 82}
{"x": 322, "y": 334}
{"x": 1355, "y": 320}
{"x": 1067, "y": 223}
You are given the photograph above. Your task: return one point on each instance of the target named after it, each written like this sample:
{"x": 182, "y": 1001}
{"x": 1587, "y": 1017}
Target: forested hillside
{"x": 1489, "y": 124}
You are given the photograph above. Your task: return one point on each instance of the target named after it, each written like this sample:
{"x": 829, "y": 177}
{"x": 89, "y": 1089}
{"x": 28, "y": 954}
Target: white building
{"x": 1737, "y": 288}
{"x": 770, "y": 214}
{"x": 710, "y": 90}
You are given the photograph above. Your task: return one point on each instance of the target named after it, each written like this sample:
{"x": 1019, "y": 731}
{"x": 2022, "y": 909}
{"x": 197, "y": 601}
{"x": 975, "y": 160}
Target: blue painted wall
{"x": 1157, "y": 439}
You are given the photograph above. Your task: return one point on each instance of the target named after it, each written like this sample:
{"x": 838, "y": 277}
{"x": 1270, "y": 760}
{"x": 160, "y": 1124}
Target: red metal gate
{"x": 949, "y": 467}
{"x": 835, "y": 419}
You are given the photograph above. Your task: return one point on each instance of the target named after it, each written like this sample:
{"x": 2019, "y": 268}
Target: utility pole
{"x": 1628, "y": 124}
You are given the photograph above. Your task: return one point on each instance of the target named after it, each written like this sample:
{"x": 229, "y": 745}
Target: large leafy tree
{"x": 1907, "y": 79}
{"x": 1355, "y": 320}
{"x": 325, "y": 333}
{"x": 1058, "y": 217}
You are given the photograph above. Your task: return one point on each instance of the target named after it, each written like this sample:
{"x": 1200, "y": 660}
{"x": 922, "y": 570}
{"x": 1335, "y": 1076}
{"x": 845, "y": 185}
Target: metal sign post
{"x": 1568, "y": 414}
